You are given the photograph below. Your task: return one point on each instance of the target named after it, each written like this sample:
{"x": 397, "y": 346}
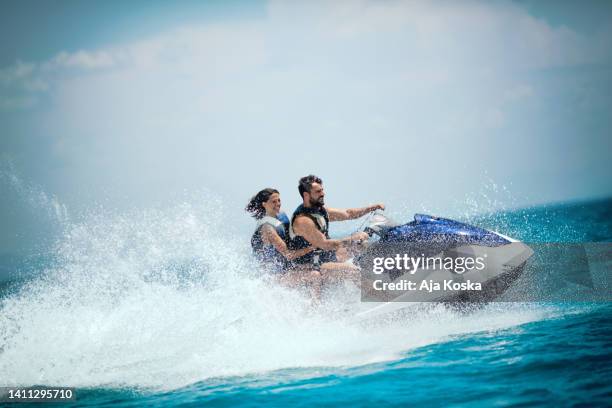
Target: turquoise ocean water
{"x": 156, "y": 309}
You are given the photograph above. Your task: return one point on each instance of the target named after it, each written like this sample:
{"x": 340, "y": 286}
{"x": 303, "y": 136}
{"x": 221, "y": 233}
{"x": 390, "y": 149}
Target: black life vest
{"x": 267, "y": 253}
{"x": 320, "y": 217}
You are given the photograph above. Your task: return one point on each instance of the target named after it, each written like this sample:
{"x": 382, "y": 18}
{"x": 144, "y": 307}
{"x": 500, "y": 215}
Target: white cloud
{"x": 82, "y": 60}
{"x": 18, "y": 71}
{"x": 201, "y": 104}
{"x": 431, "y": 41}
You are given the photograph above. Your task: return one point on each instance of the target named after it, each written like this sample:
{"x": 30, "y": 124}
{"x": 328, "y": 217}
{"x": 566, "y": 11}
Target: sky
{"x": 422, "y": 105}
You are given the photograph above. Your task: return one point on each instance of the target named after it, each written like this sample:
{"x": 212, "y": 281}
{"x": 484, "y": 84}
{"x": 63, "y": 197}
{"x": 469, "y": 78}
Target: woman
{"x": 269, "y": 240}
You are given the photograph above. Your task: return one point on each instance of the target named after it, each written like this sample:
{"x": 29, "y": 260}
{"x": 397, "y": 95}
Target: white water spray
{"x": 159, "y": 299}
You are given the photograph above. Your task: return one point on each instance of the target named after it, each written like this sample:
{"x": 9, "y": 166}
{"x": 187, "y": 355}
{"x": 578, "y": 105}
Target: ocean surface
{"x": 165, "y": 308}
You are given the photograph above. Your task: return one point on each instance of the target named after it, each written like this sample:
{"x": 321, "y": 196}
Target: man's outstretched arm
{"x": 306, "y": 228}
{"x": 337, "y": 214}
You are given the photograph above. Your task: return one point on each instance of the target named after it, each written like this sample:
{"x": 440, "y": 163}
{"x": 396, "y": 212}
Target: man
{"x": 310, "y": 226}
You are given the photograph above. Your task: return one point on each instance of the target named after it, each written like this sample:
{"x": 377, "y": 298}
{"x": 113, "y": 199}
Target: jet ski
{"x": 428, "y": 249}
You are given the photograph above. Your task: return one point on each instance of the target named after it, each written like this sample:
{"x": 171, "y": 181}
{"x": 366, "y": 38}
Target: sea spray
{"x": 160, "y": 299}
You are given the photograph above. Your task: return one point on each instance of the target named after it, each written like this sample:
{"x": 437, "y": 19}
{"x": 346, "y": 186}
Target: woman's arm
{"x": 271, "y": 237}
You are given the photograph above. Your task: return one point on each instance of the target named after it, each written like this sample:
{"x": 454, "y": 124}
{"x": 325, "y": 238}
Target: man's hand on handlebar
{"x": 359, "y": 238}
{"x": 379, "y": 206}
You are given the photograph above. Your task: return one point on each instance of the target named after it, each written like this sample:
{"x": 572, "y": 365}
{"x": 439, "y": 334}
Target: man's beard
{"x": 319, "y": 203}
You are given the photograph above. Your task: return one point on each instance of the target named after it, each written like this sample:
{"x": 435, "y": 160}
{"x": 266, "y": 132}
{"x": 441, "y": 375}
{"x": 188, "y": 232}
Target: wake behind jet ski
{"x": 453, "y": 255}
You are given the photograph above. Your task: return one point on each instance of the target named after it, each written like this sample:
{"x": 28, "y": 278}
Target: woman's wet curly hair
{"x": 255, "y": 207}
